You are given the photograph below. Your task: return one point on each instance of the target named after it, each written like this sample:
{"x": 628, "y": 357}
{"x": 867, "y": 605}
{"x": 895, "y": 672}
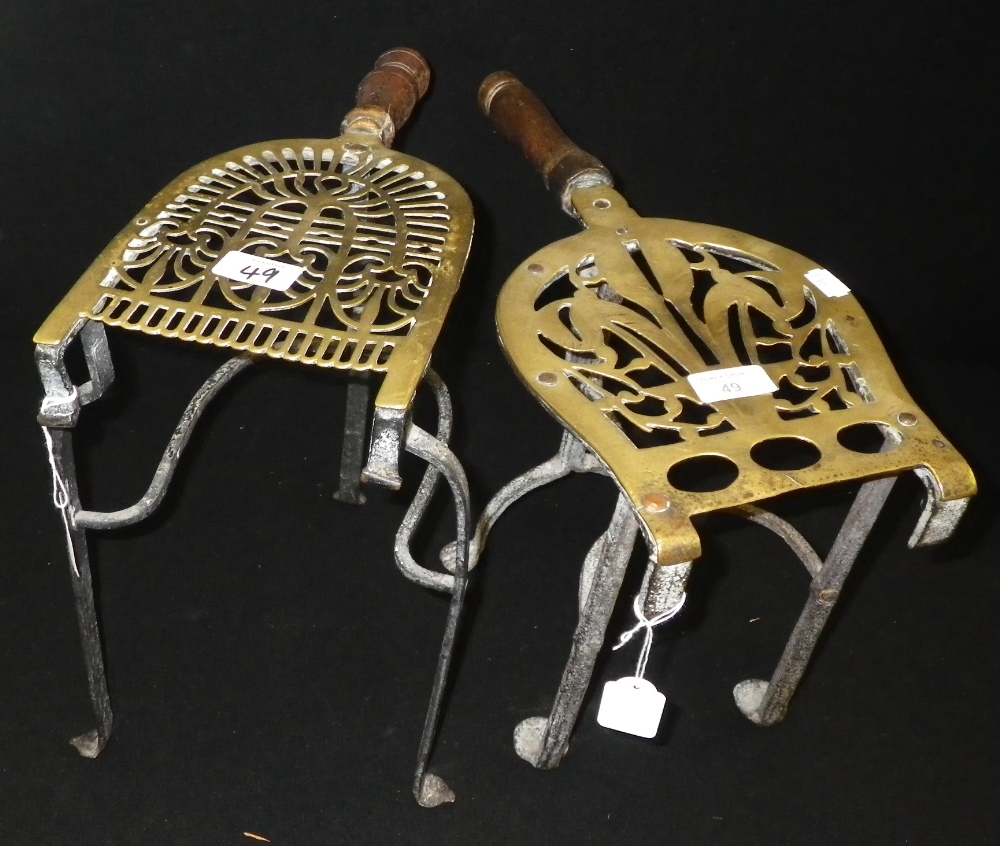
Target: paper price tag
{"x": 257, "y": 270}
{"x": 631, "y": 705}
{"x": 732, "y": 383}
{"x": 827, "y": 282}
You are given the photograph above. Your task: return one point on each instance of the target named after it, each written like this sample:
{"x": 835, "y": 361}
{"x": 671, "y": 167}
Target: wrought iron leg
{"x": 542, "y": 742}
{"x": 353, "y": 452}
{"x": 92, "y": 742}
{"x": 415, "y": 513}
{"x": 60, "y": 409}
{"x": 430, "y": 790}
{"x": 766, "y": 703}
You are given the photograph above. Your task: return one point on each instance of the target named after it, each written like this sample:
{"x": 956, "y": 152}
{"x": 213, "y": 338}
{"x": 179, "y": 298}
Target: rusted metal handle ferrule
{"x": 523, "y": 118}
{"x": 388, "y": 94}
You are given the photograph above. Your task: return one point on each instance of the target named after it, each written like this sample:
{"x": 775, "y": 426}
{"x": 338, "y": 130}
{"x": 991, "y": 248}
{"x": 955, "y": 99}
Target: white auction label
{"x": 732, "y": 383}
{"x": 631, "y": 705}
{"x": 827, "y": 282}
{"x": 257, "y": 270}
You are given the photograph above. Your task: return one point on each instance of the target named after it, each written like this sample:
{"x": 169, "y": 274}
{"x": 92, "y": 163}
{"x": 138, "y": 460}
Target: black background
{"x": 268, "y": 666}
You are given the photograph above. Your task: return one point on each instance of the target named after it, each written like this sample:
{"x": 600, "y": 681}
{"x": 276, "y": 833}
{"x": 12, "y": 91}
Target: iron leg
{"x": 91, "y": 743}
{"x": 408, "y": 566}
{"x": 542, "y": 742}
{"x": 353, "y": 451}
{"x": 430, "y": 790}
{"x": 766, "y": 703}
{"x": 572, "y": 457}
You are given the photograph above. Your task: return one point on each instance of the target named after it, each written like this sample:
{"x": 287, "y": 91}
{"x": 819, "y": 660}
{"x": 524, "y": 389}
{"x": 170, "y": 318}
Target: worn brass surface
{"x": 382, "y": 239}
{"x": 621, "y": 313}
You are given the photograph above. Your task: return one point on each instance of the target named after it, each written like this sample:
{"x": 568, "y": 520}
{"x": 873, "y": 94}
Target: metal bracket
{"x": 939, "y": 518}
{"x": 388, "y": 436}
{"x": 63, "y": 400}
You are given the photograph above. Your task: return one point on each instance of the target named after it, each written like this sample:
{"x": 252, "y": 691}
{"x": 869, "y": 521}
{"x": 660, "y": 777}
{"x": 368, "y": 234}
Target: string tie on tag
{"x": 50, "y": 402}
{"x": 60, "y": 498}
{"x": 647, "y": 625}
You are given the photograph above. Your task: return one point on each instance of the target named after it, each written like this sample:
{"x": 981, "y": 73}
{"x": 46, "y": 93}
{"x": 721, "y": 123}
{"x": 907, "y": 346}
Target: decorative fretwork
{"x": 339, "y": 253}
{"x": 367, "y": 229}
{"x": 703, "y": 370}
{"x": 631, "y": 339}
{"x": 606, "y": 328}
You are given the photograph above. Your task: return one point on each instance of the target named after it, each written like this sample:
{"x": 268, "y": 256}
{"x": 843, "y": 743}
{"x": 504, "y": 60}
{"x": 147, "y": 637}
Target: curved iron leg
{"x": 415, "y": 513}
{"x": 784, "y": 530}
{"x": 766, "y": 703}
{"x": 542, "y": 742}
{"x": 157, "y": 489}
{"x": 430, "y": 790}
{"x": 92, "y": 742}
{"x": 572, "y": 457}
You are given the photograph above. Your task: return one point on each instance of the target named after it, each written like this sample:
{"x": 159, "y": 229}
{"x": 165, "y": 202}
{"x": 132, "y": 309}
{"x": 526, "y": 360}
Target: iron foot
{"x": 352, "y": 496}
{"x": 748, "y": 695}
{"x": 89, "y": 744}
{"x": 528, "y": 738}
{"x": 434, "y": 791}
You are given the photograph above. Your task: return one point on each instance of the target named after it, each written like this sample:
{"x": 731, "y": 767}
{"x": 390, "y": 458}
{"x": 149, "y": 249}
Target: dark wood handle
{"x": 388, "y": 94}
{"x": 523, "y": 118}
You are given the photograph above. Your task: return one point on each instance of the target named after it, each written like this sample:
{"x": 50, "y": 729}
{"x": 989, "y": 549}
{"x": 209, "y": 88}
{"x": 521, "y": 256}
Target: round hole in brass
{"x": 868, "y": 438}
{"x": 602, "y": 203}
{"x": 785, "y": 453}
{"x": 547, "y": 378}
{"x": 907, "y": 419}
{"x": 142, "y": 221}
{"x": 703, "y": 473}
{"x": 535, "y": 267}
{"x": 622, "y": 230}
{"x": 938, "y": 443}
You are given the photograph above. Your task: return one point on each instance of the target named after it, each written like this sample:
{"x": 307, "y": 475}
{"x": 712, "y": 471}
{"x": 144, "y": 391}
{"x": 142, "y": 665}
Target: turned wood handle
{"x": 523, "y": 118}
{"x": 388, "y": 94}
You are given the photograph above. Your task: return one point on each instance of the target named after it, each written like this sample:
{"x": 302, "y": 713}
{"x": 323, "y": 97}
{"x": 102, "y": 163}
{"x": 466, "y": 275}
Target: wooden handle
{"x": 523, "y": 118}
{"x": 387, "y": 95}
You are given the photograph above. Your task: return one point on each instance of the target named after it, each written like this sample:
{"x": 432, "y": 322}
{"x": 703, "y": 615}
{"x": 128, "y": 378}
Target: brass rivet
{"x": 602, "y": 203}
{"x": 938, "y": 443}
{"x": 622, "y": 230}
{"x": 829, "y": 595}
{"x": 655, "y": 502}
{"x": 535, "y": 267}
{"x": 907, "y": 419}
{"x": 548, "y": 378}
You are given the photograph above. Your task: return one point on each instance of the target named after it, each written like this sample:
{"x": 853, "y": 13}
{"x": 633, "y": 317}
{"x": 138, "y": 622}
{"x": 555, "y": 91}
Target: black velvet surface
{"x": 269, "y": 667}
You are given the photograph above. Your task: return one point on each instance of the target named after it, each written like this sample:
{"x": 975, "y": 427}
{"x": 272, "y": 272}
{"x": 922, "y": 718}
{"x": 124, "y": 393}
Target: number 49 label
{"x": 732, "y": 383}
{"x": 257, "y": 270}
